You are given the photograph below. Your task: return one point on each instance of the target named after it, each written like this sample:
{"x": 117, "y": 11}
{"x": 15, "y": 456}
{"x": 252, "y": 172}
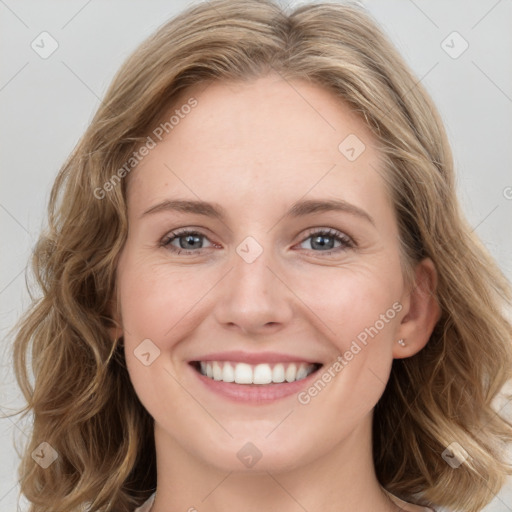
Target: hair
{"x": 82, "y": 400}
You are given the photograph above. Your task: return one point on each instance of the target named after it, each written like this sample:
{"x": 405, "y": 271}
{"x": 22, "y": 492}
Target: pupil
{"x": 319, "y": 242}
{"x": 190, "y": 239}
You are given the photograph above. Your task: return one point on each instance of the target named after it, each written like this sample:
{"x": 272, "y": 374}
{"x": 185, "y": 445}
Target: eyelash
{"x": 347, "y": 242}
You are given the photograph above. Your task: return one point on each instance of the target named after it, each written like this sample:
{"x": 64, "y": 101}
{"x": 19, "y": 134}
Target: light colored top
{"x": 146, "y": 505}
{"x": 406, "y": 507}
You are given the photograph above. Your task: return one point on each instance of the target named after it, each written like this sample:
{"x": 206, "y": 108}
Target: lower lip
{"x": 254, "y": 393}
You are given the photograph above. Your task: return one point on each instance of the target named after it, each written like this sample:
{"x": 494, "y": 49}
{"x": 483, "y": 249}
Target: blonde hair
{"x": 82, "y": 400}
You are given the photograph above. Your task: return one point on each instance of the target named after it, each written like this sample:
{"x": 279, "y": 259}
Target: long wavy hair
{"x": 74, "y": 376}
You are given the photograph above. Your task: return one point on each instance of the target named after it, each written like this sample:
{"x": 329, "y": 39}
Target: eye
{"x": 188, "y": 242}
{"x": 324, "y": 240}
{"x": 320, "y": 240}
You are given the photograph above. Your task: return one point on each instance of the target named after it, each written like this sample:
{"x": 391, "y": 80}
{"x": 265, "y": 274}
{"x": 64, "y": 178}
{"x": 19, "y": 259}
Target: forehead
{"x": 282, "y": 114}
{"x": 267, "y": 136}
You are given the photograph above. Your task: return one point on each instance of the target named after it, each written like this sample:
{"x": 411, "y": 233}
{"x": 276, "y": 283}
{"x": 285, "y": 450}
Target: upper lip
{"x": 238, "y": 356}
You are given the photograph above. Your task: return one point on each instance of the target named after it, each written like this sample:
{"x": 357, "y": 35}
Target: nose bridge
{"x": 253, "y": 296}
{"x": 252, "y": 277}
{"x": 251, "y": 265}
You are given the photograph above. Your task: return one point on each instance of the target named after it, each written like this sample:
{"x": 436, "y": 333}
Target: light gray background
{"x": 46, "y": 105}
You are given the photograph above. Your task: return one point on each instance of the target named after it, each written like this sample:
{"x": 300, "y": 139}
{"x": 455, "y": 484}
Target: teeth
{"x": 217, "y": 371}
{"x": 302, "y": 373}
{"x": 243, "y": 373}
{"x": 278, "y": 373}
{"x": 262, "y": 373}
{"x": 291, "y": 373}
{"x": 228, "y": 374}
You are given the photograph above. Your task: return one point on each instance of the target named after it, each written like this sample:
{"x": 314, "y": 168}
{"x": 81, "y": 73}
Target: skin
{"x": 255, "y": 148}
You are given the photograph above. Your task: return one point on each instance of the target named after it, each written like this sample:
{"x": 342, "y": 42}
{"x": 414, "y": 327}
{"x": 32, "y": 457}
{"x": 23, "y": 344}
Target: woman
{"x": 259, "y": 291}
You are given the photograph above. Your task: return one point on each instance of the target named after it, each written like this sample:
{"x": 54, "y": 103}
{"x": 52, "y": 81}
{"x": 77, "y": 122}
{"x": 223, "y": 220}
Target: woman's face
{"x": 273, "y": 280}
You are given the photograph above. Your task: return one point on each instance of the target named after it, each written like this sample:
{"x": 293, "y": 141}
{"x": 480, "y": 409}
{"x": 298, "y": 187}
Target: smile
{"x": 259, "y": 374}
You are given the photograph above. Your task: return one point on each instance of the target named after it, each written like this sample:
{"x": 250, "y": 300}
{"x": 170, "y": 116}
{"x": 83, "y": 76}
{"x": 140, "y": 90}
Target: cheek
{"x": 362, "y": 319}
{"x": 156, "y": 298}
{"x": 164, "y": 304}
{"x": 157, "y": 304}
{"x": 349, "y": 302}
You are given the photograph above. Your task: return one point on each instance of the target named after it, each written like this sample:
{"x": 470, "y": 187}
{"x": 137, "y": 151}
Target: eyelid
{"x": 330, "y": 231}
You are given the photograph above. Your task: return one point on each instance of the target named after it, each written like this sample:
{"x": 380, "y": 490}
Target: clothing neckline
{"x": 146, "y": 506}
{"x": 404, "y": 505}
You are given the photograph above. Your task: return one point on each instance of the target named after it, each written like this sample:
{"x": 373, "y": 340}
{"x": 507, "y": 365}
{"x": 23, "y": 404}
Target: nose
{"x": 254, "y": 297}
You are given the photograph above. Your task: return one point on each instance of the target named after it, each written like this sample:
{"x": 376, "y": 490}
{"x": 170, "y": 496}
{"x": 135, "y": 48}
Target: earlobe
{"x": 116, "y": 329}
{"x": 423, "y": 311}
{"x": 115, "y": 332}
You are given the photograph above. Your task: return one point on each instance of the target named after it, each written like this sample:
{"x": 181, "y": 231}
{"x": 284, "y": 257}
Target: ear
{"x": 116, "y": 329}
{"x": 421, "y": 311}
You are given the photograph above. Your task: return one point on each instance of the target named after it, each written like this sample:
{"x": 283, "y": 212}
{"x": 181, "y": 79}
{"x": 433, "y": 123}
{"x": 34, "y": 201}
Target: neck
{"x": 340, "y": 480}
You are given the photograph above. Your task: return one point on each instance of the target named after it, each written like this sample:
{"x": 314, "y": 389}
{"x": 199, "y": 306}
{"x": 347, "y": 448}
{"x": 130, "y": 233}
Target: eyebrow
{"x": 298, "y": 209}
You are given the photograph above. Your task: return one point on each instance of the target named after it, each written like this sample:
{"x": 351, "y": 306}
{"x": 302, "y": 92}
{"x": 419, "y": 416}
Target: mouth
{"x": 280, "y": 373}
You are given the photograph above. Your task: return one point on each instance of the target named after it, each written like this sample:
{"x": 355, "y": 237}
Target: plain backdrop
{"x": 46, "y": 104}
